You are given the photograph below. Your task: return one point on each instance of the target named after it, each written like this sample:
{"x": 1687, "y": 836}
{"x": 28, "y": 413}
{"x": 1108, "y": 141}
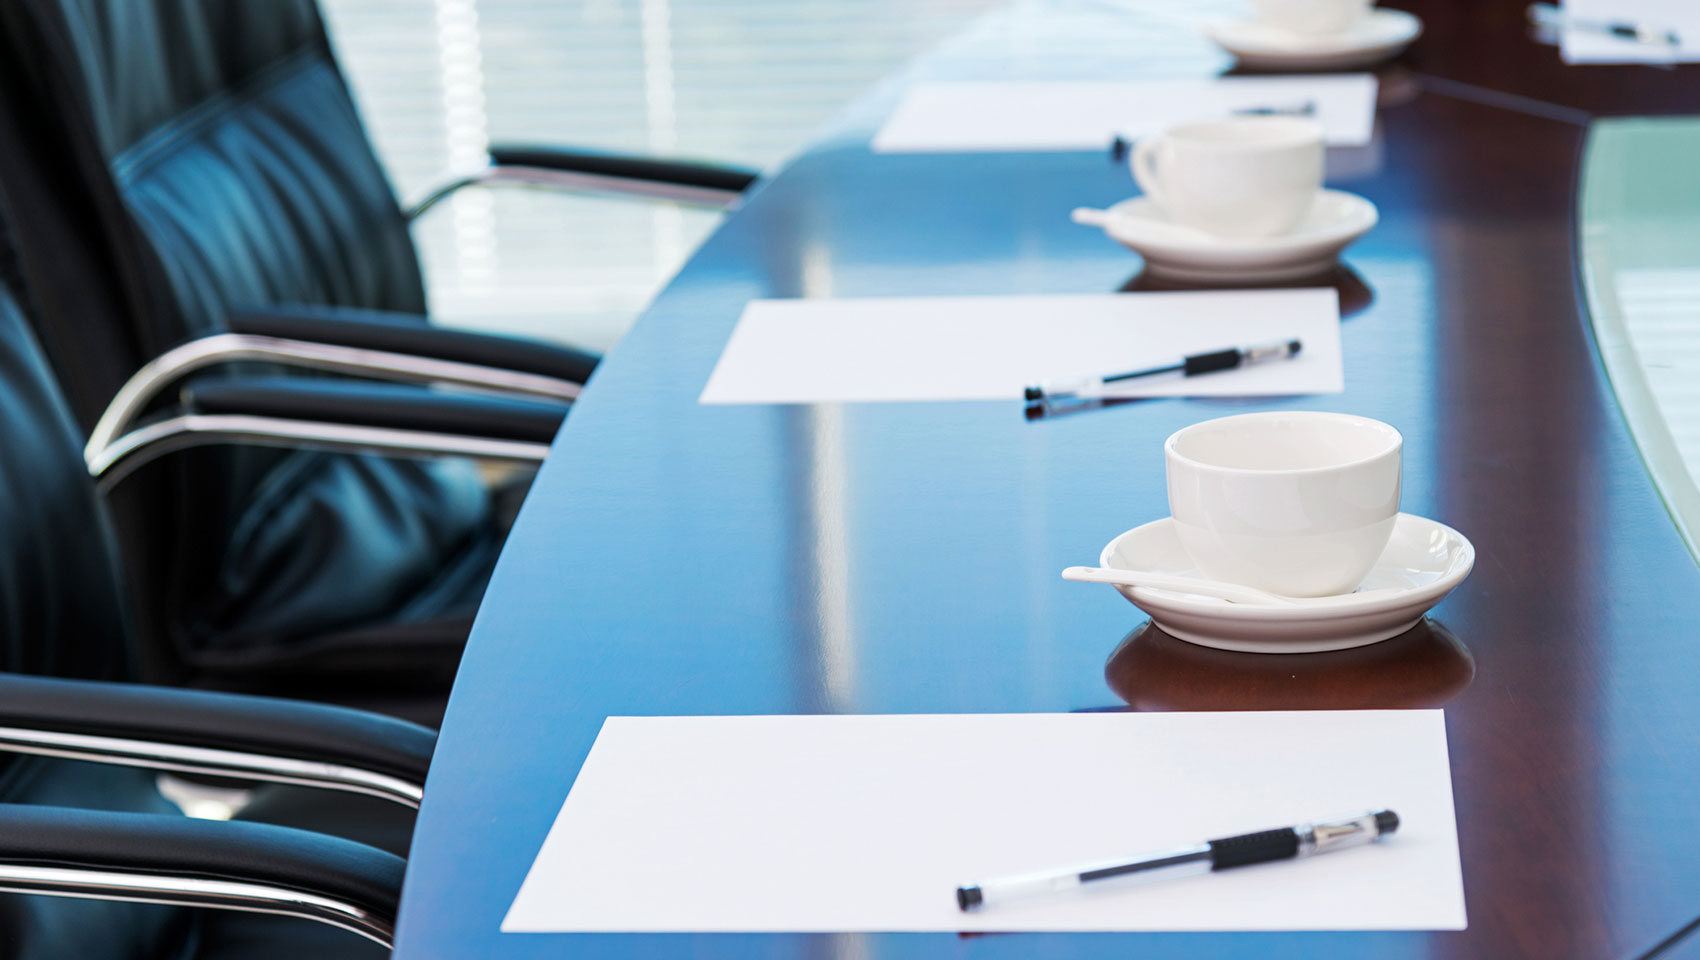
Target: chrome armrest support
{"x": 577, "y": 182}
{"x": 124, "y": 455}
{"x": 220, "y": 348}
{"x": 236, "y": 764}
{"x": 94, "y": 884}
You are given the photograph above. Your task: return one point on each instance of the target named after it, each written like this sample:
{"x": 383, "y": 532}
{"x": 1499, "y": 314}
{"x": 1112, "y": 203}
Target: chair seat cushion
{"x": 333, "y": 546}
{"x": 256, "y": 936}
{"x": 59, "y": 928}
{"x": 377, "y": 823}
{"x": 352, "y": 816}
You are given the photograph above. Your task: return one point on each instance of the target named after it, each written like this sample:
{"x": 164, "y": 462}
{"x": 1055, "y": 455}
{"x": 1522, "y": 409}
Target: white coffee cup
{"x": 1240, "y": 177}
{"x": 1292, "y": 502}
{"x": 1312, "y": 17}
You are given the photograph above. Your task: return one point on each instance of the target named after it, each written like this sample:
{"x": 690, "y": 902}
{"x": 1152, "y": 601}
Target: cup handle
{"x": 1143, "y": 162}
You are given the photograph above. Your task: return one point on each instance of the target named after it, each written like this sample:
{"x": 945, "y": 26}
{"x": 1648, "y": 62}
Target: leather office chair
{"x": 308, "y": 414}
{"x": 209, "y": 180}
{"x": 80, "y": 817}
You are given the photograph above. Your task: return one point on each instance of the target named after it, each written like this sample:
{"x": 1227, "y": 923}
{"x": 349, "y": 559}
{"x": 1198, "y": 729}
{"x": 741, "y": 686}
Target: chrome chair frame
{"x": 154, "y": 377}
{"x": 236, "y": 764}
{"x": 145, "y": 444}
{"x": 578, "y": 182}
{"x": 139, "y": 887}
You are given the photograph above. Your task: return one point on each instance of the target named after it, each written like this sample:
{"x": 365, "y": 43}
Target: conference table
{"x": 681, "y": 559}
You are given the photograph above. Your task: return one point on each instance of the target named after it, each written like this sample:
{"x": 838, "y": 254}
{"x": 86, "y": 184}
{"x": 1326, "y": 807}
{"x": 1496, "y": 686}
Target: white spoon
{"x": 1091, "y": 216}
{"x": 1164, "y": 230}
{"x": 1220, "y": 589}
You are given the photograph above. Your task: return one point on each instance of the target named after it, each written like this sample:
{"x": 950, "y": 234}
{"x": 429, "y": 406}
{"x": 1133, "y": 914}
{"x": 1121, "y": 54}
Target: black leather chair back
{"x": 199, "y": 156}
{"x": 231, "y": 138}
{"x": 62, "y": 614}
{"x": 61, "y": 609}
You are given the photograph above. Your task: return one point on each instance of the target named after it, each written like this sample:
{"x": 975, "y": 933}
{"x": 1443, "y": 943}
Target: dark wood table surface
{"x": 819, "y": 537}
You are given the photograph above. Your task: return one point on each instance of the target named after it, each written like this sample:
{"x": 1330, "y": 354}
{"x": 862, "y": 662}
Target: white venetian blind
{"x": 744, "y": 81}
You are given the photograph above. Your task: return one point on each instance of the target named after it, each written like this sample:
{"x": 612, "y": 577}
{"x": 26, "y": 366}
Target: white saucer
{"x": 1422, "y": 563}
{"x": 1336, "y": 218}
{"x": 1377, "y": 37}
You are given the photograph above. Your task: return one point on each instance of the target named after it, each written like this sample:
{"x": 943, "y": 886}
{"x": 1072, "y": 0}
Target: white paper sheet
{"x": 991, "y": 348}
{"x": 1596, "y": 46}
{"x": 869, "y": 823}
{"x": 970, "y": 117}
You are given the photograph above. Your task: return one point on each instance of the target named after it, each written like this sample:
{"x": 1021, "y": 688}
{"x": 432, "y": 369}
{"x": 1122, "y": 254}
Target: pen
{"x": 1549, "y": 15}
{"x": 1303, "y": 108}
{"x": 1286, "y": 843}
{"x": 1190, "y": 366}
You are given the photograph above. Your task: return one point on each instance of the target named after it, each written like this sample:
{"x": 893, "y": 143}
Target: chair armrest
{"x": 708, "y": 176}
{"x": 139, "y": 393}
{"x": 427, "y": 424}
{"x": 394, "y": 406}
{"x": 144, "y": 445}
{"x": 232, "y": 865}
{"x": 699, "y": 184}
{"x": 407, "y": 334}
{"x": 197, "y": 731}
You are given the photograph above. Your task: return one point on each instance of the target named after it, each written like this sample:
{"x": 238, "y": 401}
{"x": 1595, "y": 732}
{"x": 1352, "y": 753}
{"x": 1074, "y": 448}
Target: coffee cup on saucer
{"x": 1296, "y": 503}
{"x": 1312, "y": 17}
{"x": 1238, "y": 177}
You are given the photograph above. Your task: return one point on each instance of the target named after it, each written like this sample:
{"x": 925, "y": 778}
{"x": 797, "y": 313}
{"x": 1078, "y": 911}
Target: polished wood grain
{"x": 904, "y": 557}
{"x": 1424, "y": 667}
{"x": 1487, "y": 48}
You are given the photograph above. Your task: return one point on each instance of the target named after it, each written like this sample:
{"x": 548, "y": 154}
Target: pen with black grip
{"x": 1188, "y": 366}
{"x": 1285, "y": 843}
